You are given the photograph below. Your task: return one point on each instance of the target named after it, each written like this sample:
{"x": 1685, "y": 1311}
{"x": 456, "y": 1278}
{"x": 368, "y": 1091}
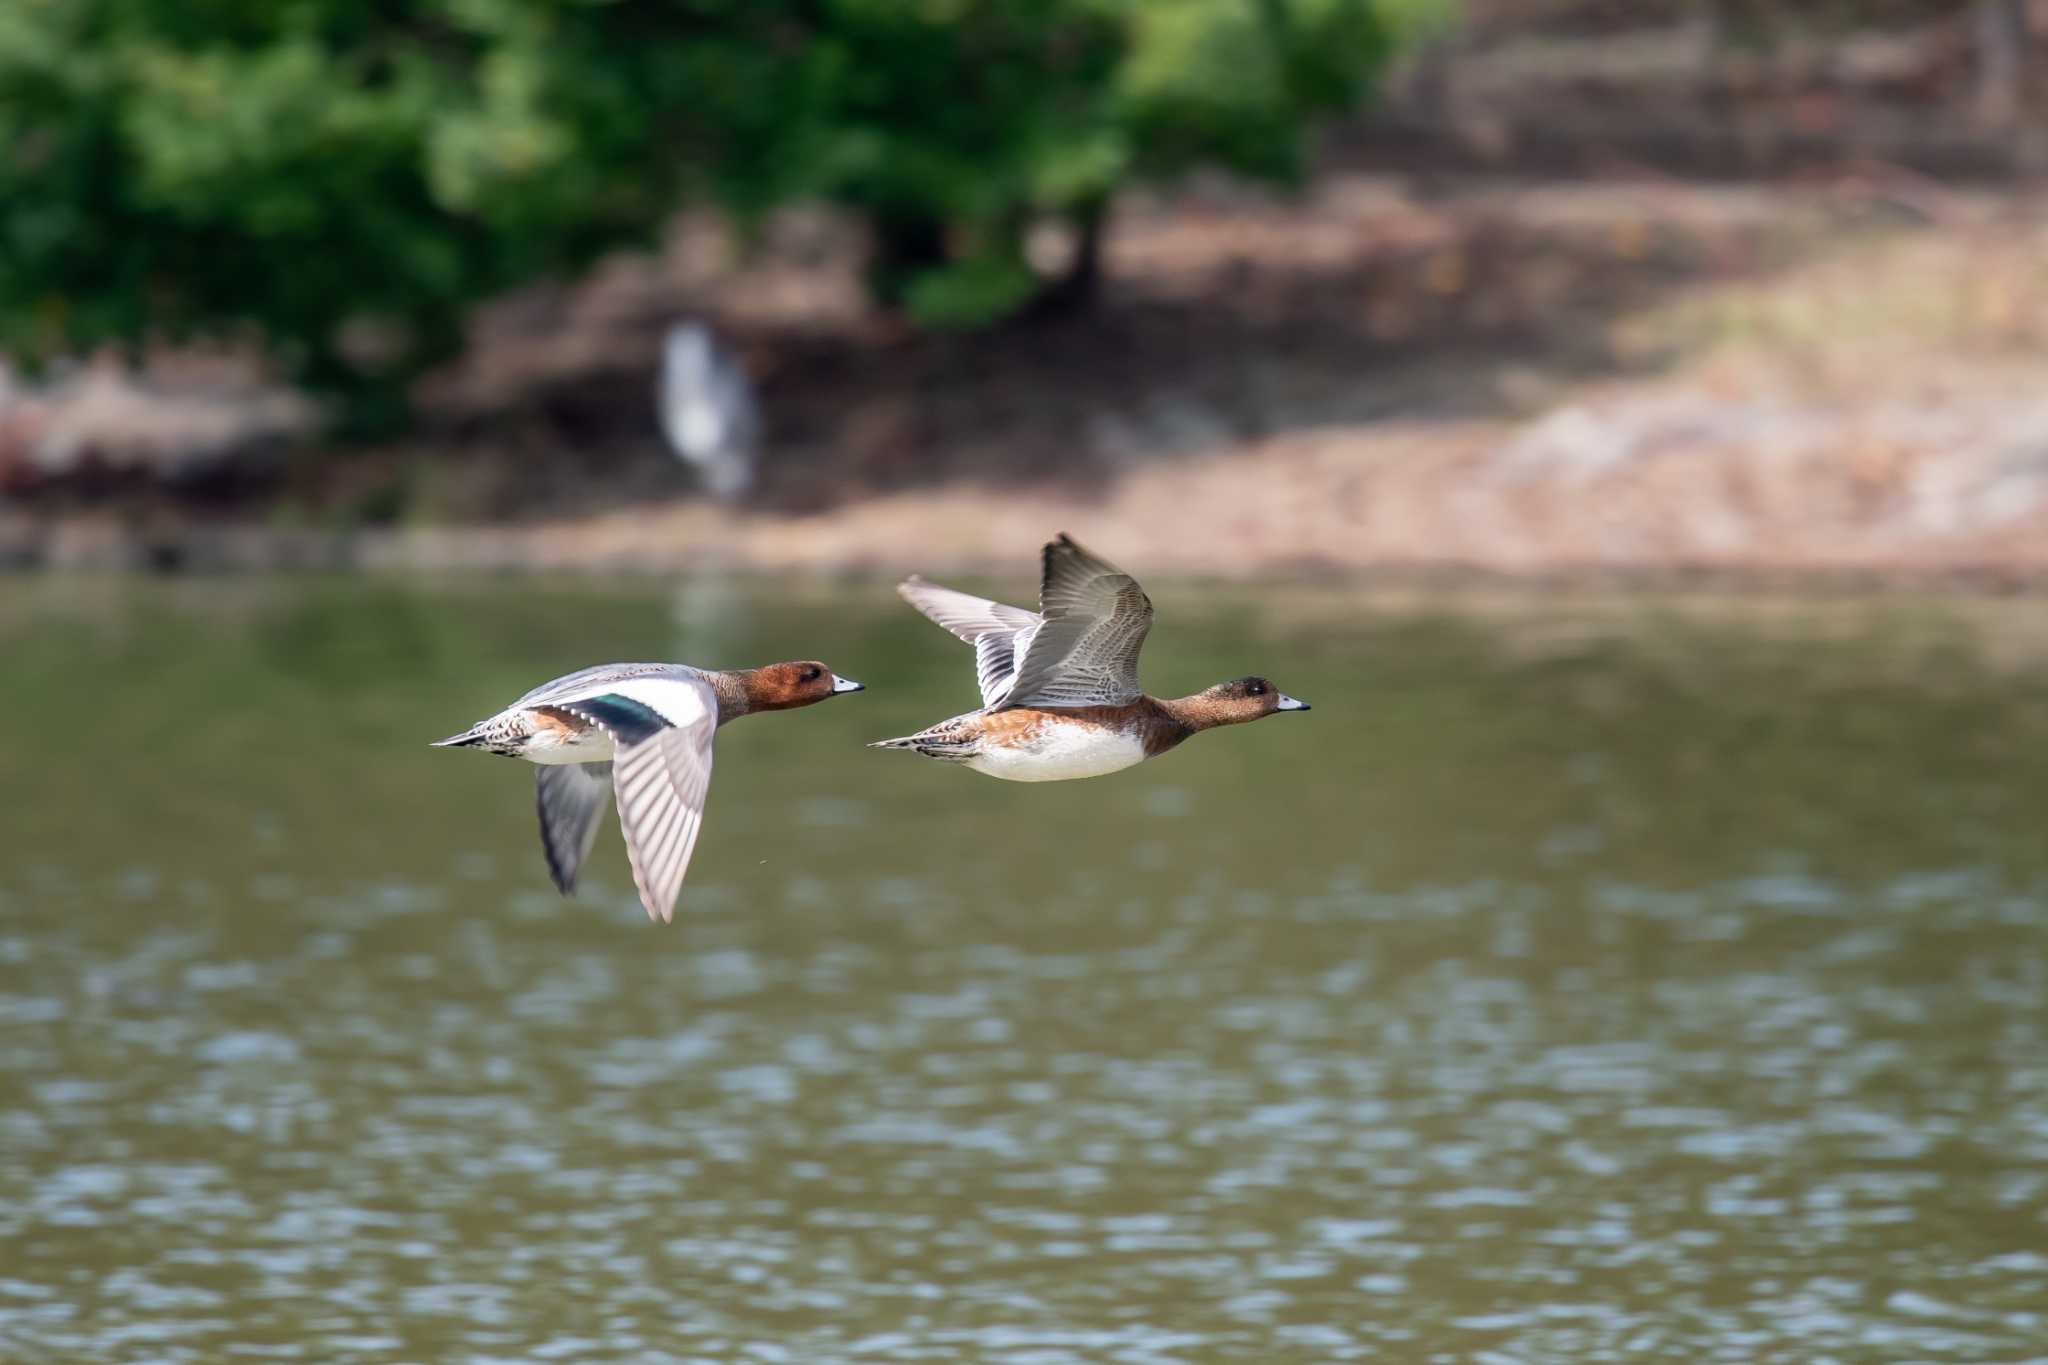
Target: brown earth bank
{"x": 1591, "y": 378}
{"x": 1425, "y": 366}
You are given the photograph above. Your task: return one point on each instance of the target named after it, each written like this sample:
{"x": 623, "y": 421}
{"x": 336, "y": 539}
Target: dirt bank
{"x": 1590, "y": 377}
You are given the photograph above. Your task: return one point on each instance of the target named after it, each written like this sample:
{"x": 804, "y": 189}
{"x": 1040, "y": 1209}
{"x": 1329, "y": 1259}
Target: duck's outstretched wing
{"x": 571, "y": 798}
{"x": 662, "y": 728}
{"x": 998, "y": 632}
{"x": 661, "y": 784}
{"x": 1093, "y": 621}
{"x": 967, "y": 616}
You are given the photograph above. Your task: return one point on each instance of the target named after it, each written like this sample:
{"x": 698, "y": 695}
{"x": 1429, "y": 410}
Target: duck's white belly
{"x": 1056, "y": 753}
{"x": 553, "y": 746}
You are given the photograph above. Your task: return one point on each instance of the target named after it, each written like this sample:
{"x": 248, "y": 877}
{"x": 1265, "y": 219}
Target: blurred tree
{"x": 340, "y": 178}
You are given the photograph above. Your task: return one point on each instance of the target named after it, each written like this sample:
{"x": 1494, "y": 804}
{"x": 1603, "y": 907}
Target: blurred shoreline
{"x": 1600, "y": 381}
{"x": 1458, "y": 355}
{"x": 685, "y": 540}
{"x": 1588, "y": 381}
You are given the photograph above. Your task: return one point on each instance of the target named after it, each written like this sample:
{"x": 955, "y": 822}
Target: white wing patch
{"x": 594, "y": 681}
{"x": 682, "y": 702}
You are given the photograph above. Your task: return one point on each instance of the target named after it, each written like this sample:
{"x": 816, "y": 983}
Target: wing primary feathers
{"x": 571, "y": 799}
{"x": 997, "y": 631}
{"x": 1095, "y": 619}
{"x": 661, "y": 784}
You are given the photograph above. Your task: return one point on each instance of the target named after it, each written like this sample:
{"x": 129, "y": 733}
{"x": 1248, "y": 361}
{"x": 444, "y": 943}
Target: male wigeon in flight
{"x": 1059, "y": 688}
{"x": 645, "y": 731}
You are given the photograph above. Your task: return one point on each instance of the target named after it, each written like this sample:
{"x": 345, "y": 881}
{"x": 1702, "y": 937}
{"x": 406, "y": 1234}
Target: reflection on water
{"x": 1565, "y": 987}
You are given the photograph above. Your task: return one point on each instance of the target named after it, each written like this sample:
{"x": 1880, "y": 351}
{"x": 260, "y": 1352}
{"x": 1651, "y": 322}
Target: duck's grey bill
{"x": 1288, "y": 703}
{"x": 840, "y": 684}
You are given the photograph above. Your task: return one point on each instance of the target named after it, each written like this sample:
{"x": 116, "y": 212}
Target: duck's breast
{"x": 1037, "y": 747}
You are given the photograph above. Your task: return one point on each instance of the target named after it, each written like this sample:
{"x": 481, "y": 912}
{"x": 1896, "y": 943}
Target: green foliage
{"x": 980, "y": 285}
{"x": 342, "y": 178}
{"x": 1229, "y": 82}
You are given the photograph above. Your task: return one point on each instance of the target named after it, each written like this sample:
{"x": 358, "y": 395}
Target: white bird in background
{"x": 708, "y": 410}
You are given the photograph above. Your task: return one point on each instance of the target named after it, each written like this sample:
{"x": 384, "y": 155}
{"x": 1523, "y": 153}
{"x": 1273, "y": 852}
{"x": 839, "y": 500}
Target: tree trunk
{"x": 2002, "y": 41}
{"x": 1429, "y": 93}
{"x": 905, "y": 246}
{"x": 1709, "y": 33}
{"x": 1078, "y": 285}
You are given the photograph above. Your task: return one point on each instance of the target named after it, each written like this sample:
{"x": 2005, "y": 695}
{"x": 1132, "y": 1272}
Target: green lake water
{"x": 1579, "y": 981}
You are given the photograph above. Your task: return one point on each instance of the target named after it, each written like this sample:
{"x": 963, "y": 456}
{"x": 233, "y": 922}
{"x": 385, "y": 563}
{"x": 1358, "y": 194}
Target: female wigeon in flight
{"x": 645, "y": 731}
{"x": 1059, "y": 688}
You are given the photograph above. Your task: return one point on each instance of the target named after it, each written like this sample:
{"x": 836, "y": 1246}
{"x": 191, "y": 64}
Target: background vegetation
{"x": 340, "y": 180}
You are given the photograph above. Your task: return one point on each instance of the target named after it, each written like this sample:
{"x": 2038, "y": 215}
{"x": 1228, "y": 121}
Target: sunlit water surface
{"x": 1575, "y": 983}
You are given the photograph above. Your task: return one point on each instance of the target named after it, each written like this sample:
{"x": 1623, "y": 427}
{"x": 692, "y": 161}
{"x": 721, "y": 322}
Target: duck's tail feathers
{"x": 468, "y": 739}
{"x": 931, "y": 746}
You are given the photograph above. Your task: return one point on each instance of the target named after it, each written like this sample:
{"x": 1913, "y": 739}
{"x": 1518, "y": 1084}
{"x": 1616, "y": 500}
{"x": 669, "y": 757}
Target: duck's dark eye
{"x": 1255, "y": 689}
{"x": 813, "y": 674}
